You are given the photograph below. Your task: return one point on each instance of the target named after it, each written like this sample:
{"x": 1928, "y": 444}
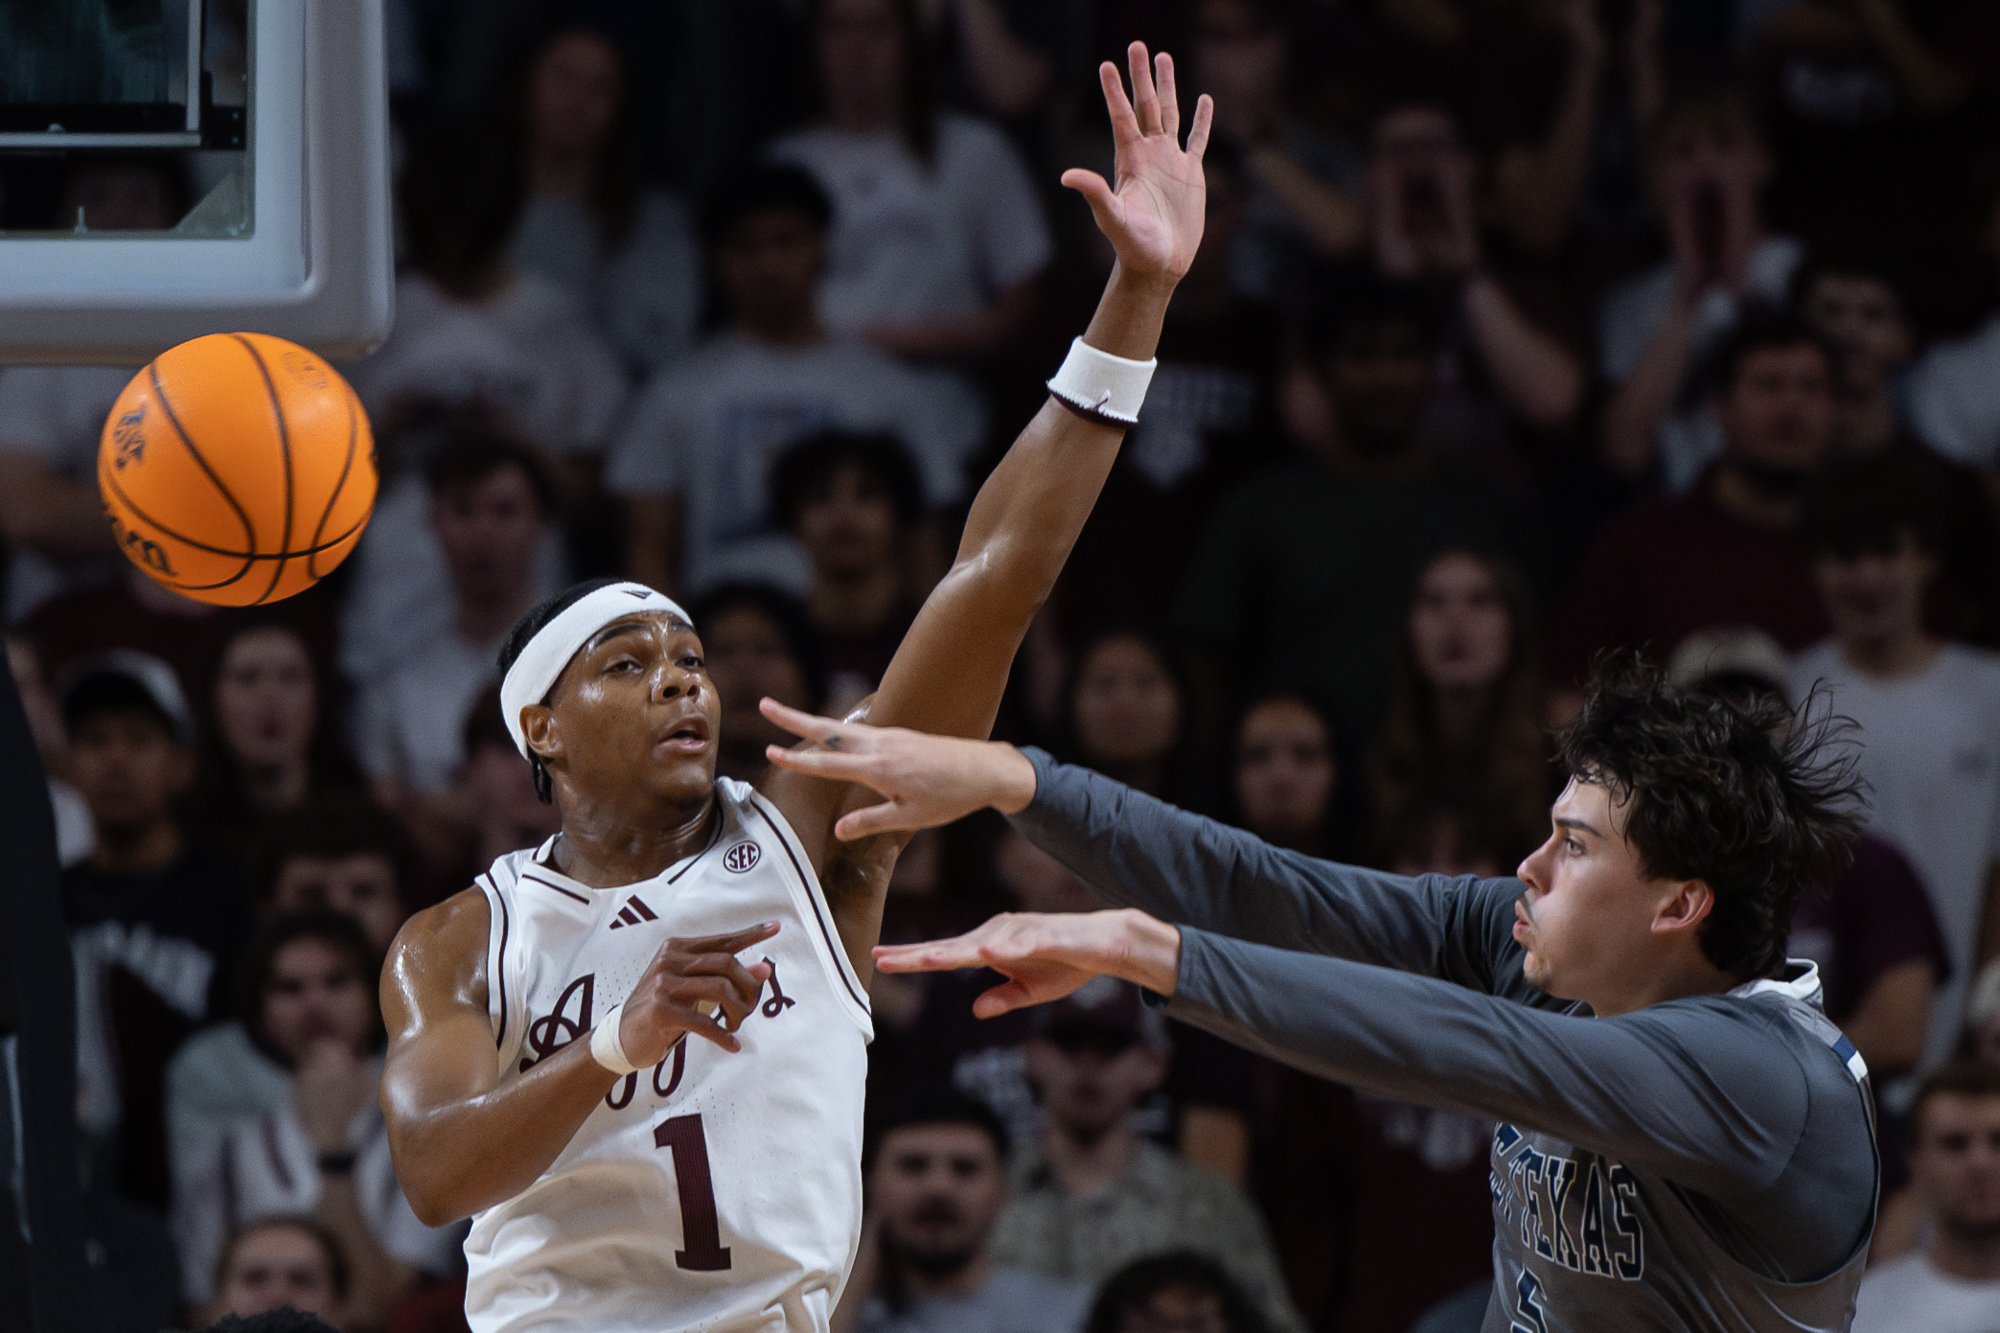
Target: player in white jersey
{"x": 538, "y": 1080}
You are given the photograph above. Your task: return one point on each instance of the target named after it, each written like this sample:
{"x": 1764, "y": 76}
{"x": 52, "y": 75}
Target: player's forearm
{"x": 1137, "y": 851}
{"x": 458, "y": 1155}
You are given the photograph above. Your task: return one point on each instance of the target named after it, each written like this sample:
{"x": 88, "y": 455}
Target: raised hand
{"x": 688, "y": 983}
{"x": 929, "y": 780}
{"x": 1153, "y": 217}
{"x": 1047, "y": 956}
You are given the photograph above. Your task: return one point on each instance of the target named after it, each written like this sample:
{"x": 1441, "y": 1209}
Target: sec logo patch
{"x": 741, "y": 857}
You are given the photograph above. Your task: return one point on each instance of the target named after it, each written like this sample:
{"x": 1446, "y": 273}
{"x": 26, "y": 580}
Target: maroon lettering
{"x": 700, "y": 1231}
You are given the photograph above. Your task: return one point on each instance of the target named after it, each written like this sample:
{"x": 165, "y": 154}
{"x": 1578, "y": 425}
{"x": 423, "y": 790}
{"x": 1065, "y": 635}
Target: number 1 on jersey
{"x": 682, "y": 1135}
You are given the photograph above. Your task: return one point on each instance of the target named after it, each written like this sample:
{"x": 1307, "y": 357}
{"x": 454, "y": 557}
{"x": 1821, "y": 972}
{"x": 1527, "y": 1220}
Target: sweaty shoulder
{"x": 439, "y": 956}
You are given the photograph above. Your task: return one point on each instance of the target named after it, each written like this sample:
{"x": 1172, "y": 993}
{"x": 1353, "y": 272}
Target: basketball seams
{"x": 285, "y": 451}
{"x": 339, "y": 485}
{"x": 249, "y": 553}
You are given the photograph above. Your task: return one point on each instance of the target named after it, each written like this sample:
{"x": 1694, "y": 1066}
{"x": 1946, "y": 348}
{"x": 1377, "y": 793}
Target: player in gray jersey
{"x": 1684, "y": 1141}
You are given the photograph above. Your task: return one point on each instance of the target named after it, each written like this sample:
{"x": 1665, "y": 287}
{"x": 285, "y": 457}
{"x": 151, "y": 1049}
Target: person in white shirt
{"x": 1927, "y": 711}
{"x": 491, "y": 503}
{"x": 626, "y": 254}
{"x": 694, "y": 461}
{"x": 1954, "y": 389}
{"x": 938, "y": 234}
{"x": 323, "y": 1149}
{"x": 1707, "y": 168}
{"x": 1952, "y": 1285}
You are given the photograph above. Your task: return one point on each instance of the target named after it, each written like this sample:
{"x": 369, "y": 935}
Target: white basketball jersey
{"x": 714, "y": 1191}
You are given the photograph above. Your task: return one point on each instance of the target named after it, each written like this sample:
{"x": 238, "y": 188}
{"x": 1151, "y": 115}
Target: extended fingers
{"x": 935, "y": 956}
{"x": 734, "y": 942}
{"x": 1124, "y": 124}
{"x": 1170, "y": 104}
{"x": 887, "y": 817}
{"x": 1145, "y": 99}
{"x": 1204, "y": 117}
{"x": 798, "y": 722}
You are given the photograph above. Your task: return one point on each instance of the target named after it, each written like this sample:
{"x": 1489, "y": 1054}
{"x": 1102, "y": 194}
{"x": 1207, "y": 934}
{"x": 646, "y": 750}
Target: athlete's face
{"x": 1595, "y": 926}
{"x": 1957, "y": 1162}
{"x": 633, "y": 714}
{"x": 937, "y": 1189}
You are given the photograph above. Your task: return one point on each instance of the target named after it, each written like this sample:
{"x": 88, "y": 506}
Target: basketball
{"x": 237, "y": 469}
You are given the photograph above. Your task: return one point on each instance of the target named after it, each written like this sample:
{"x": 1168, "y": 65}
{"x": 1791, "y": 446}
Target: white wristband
{"x": 1101, "y": 387}
{"x": 605, "y": 1048}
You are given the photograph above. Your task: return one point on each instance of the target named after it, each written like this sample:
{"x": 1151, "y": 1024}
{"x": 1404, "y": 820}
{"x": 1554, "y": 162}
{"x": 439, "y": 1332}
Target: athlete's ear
{"x": 538, "y": 724}
{"x": 1685, "y": 905}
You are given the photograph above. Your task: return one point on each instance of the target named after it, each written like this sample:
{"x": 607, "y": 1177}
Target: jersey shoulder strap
{"x": 1797, "y": 991}
{"x": 505, "y": 1006}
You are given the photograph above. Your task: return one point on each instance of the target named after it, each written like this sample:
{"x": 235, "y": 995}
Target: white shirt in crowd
{"x": 644, "y": 296}
{"x": 526, "y": 353}
{"x": 709, "y": 429}
{"x": 915, "y": 241}
{"x": 1930, "y": 752}
{"x": 410, "y": 723}
{"x": 1631, "y": 317}
{"x": 268, "y": 1167}
{"x": 1014, "y": 1300}
{"x": 56, "y": 414}
{"x": 1908, "y": 1295}
{"x": 1954, "y": 397}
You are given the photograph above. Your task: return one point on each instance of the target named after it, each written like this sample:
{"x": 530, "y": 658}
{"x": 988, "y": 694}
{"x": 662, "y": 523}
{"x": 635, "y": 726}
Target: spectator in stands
{"x": 937, "y": 1180}
{"x": 1090, "y": 1194}
{"x": 1857, "y": 304}
{"x": 473, "y": 331}
{"x": 1982, "y": 1016}
{"x": 1707, "y": 166}
{"x": 51, "y": 416}
{"x": 491, "y": 504}
{"x": 1927, "y": 712}
{"x": 1953, "y": 1284}
{"x": 322, "y": 1150}
{"x": 1466, "y": 721}
{"x": 625, "y": 253}
{"x": 129, "y": 610}
{"x": 1181, "y": 1290}
{"x": 1127, "y": 714}
{"x": 499, "y": 786}
{"x": 276, "y": 741}
{"x": 1298, "y": 578}
{"x": 1303, "y": 189}
{"x": 855, "y": 503}
{"x": 1286, "y": 773}
{"x": 1725, "y": 553}
{"x": 693, "y": 463}
{"x": 1954, "y": 389}
{"x": 154, "y": 915}
{"x": 759, "y": 641}
{"x": 1425, "y": 228}
{"x": 1211, "y": 419}
{"x": 74, "y": 835}
{"x": 281, "y": 1262}
{"x": 938, "y": 236}
{"x": 344, "y": 856}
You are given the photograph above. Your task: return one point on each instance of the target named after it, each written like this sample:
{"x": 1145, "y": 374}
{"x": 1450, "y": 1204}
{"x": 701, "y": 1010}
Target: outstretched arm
{"x": 1136, "y": 851}
{"x": 948, "y": 675}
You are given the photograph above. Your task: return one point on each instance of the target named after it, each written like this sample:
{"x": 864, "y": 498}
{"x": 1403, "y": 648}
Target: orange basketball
{"x": 237, "y": 469}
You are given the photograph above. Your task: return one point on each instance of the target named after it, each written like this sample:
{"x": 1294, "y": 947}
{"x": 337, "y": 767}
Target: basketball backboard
{"x": 170, "y": 168}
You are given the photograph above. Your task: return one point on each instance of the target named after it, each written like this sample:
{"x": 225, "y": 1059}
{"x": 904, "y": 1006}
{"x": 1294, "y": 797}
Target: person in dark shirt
{"x": 1299, "y": 579}
{"x": 1727, "y": 552}
{"x": 154, "y": 916}
{"x": 856, "y": 503}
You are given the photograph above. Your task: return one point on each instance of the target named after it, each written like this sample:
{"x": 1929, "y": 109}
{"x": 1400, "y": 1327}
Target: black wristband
{"x": 336, "y": 1163}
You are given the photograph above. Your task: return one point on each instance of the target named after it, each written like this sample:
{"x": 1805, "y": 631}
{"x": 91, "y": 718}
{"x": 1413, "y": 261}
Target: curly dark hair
{"x": 1754, "y": 798}
{"x": 1132, "y": 1288}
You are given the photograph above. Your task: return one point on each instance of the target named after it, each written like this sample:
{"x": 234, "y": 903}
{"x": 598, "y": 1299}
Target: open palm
{"x": 1153, "y": 218}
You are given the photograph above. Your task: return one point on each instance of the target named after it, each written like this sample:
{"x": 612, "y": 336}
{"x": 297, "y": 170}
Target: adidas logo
{"x": 633, "y": 912}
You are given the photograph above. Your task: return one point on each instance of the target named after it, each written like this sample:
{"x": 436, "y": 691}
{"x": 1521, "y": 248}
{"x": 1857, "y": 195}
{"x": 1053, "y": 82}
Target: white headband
{"x": 543, "y": 657}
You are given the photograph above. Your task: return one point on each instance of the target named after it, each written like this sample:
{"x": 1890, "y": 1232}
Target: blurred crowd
{"x": 1523, "y": 330}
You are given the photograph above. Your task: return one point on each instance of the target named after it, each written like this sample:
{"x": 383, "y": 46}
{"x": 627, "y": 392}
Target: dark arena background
{"x": 1522, "y": 331}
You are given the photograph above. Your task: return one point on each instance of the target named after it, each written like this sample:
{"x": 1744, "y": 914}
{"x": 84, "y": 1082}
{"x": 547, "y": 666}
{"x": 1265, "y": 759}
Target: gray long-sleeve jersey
{"x": 1700, "y": 1164}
